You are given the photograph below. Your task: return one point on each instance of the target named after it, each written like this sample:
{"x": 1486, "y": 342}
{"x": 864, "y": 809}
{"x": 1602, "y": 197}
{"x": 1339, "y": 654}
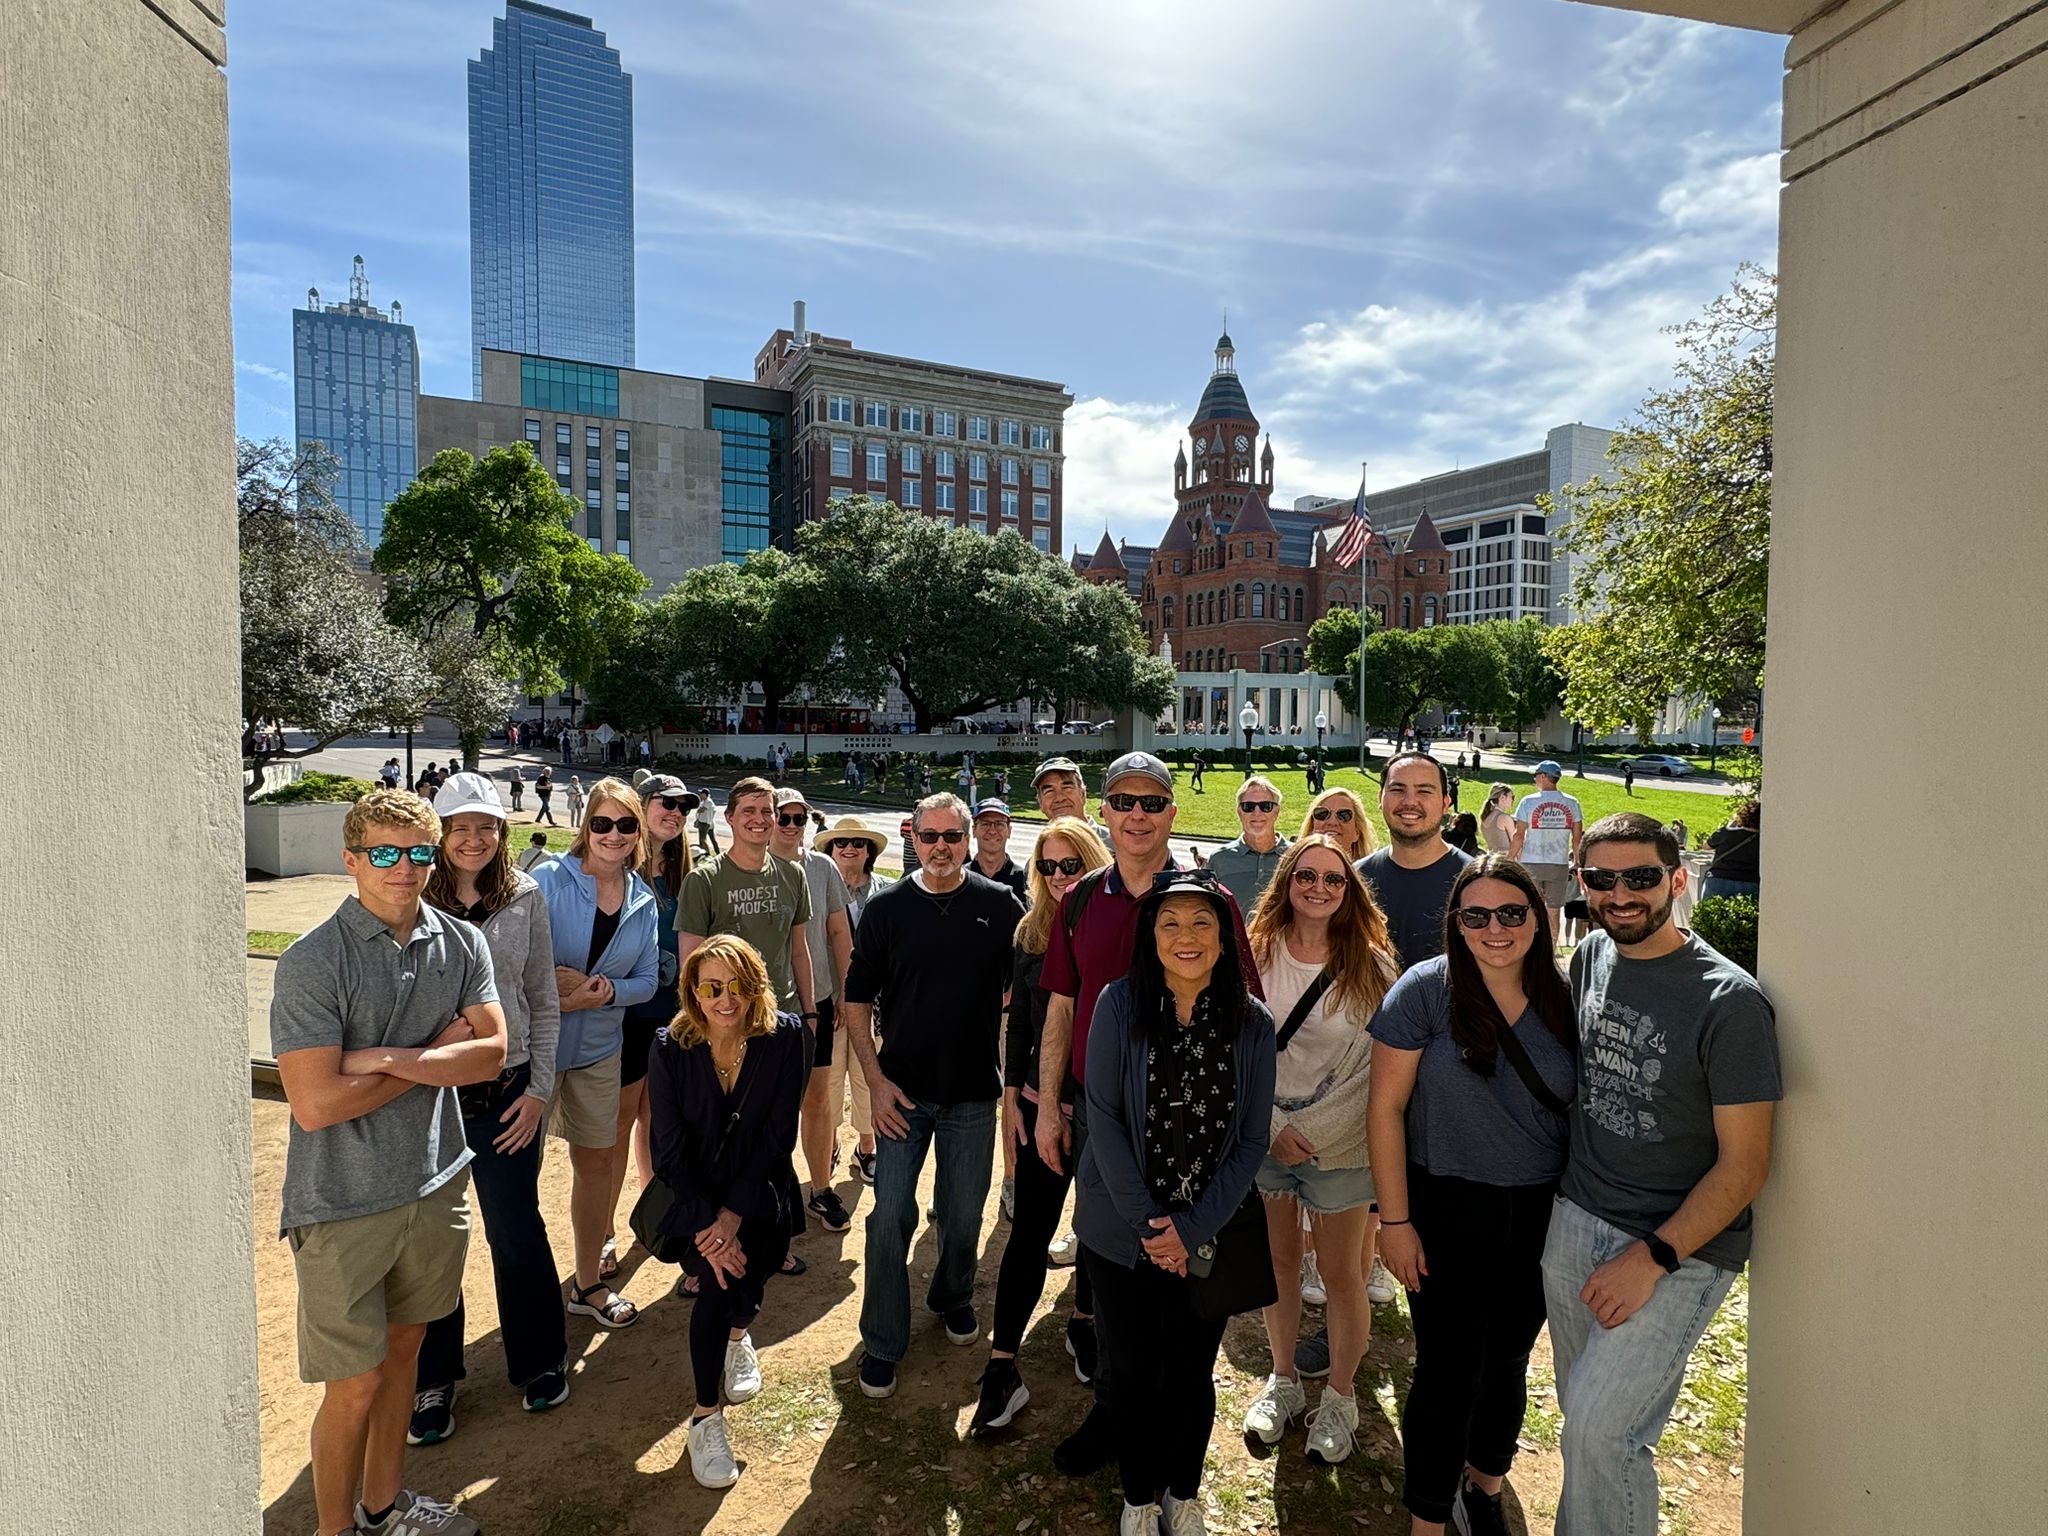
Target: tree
{"x": 485, "y": 548}
{"x": 316, "y": 653}
{"x": 768, "y": 621}
{"x": 1333, "y": 642}
{"x": 1407, "y": 671}
{"x": 1077, "y": 641}
{"x": 1673, "y": 545}
{"x": 640, "y": 686}
{"x": 1529, "y": 684}
{"x": 471, "y": 690}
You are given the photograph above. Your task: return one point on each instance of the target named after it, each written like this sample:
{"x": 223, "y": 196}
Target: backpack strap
{"x": 1077, "y": 899}
{"x": 1518, "y": 1058}
{"x": 1303, "y": 1007}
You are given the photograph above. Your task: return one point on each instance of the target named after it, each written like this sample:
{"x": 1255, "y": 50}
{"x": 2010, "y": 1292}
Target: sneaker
{"x": 1090, "y": 1448}
{"x": 1003, "y": 1394}
{"x": 864, "y": 1167}
{"x": 830, "y": 1210}
{"x": 1183, "y": 1517}
{"x": 711, "y": 1460}
{"x": 1009, "y": 1199}
{"x": 1477, "y": 1514}
{"x": 1279, "y": 1403}
{"x": 877, "y": 1377}
{"x": 962, "y": 1326}
{"x": 1065, "y": 1252}
{"x": 742, "y": 1369}
{"x": 550, "y": 1389}
{"x": 1312, "y": 1290}
{"x": 433, "y": 1415}
{"x": 414, "y": 1514}
{"x": 1332, "y": 1431}
{"x": 1312, "y": 1356}
{"x": 1380, "y": 1286}
{"x": 1139, "y": 1520}
{"x": 1081, "y": 1346}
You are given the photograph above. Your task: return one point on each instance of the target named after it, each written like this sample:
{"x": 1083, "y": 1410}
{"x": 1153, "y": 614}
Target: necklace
{"x": 726, "y": 1074}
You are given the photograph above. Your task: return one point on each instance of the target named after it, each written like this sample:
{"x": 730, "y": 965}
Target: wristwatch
{"x": 1665, "y": 1255}
{"x": 813, "y": 1016}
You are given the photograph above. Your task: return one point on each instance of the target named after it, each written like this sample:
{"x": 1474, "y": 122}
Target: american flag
{"x": 1351, "y": 542}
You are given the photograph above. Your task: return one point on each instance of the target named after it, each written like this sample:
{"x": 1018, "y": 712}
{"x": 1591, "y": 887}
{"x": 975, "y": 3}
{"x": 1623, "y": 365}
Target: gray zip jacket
{"x": 523, "y": 959}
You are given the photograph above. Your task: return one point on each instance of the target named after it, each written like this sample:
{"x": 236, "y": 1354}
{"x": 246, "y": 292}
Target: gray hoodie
{"x": 523, "y": 959}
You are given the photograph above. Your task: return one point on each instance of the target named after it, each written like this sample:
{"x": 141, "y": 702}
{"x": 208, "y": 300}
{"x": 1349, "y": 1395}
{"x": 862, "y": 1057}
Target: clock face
{"x": 1201, "y": 445}
{"x": 1243, "y": 443}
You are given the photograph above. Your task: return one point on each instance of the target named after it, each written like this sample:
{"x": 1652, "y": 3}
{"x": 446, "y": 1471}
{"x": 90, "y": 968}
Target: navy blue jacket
{"x": 1113, "y": 1206}
{"x": 688, "y": 1112}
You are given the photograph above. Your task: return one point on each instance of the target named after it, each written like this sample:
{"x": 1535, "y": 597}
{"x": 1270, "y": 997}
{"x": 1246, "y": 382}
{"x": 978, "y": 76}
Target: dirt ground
{"x": 818, "y": 1457}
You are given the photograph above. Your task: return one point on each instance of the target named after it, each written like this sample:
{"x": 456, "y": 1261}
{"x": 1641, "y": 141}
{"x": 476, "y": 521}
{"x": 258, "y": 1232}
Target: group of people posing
{"x": 1313, "y": 1056}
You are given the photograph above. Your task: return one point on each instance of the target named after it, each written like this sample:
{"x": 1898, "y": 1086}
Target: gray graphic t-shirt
{"x": 722, "y": 896}
{"x": 1661, "y": 1042}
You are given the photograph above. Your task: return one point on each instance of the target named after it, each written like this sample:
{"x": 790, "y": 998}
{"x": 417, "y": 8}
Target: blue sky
{"x": 1439, "y": 227}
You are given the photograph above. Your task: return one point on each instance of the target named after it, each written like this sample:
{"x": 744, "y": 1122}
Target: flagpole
{"x": 1363, "y": 465}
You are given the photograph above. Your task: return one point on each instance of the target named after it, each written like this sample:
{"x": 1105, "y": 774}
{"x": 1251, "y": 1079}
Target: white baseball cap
{"x": 468, "y": 792}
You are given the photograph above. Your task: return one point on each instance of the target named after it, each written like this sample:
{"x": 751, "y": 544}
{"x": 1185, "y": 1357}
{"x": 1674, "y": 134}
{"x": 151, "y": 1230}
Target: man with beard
{"x": 1411, "y": 877}
{"x": 1678, "y": 1085}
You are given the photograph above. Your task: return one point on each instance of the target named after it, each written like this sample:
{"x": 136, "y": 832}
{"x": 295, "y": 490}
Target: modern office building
{"x": 550, "y": 192}
{"x": 981, "y": 450}
{"x": 356, "y": 388}
{"x": 672, "y": 472}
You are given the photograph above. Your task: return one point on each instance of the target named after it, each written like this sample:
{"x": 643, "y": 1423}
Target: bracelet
{"x": 1402, "y": 1223}
{"x": 809, "y": 1015}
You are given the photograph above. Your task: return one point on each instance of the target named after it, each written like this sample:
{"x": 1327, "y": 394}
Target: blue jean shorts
{"x": 1323, "y": 1190}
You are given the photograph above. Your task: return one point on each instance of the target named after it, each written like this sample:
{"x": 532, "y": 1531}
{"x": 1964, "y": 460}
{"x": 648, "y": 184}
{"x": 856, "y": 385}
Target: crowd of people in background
{"x": 1313, "y": 1068}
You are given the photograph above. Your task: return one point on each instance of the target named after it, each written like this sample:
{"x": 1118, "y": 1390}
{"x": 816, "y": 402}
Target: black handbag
{"x": 1233, "y": 1271}
{"x": 657, "y": 1201}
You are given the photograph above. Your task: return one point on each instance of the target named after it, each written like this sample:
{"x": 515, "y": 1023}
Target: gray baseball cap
{"x": 1139, "y": 765}
{"x": 1058, "y": 765}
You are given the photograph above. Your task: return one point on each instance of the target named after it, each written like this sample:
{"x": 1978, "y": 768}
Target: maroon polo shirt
{"x": 1100, "y": 951}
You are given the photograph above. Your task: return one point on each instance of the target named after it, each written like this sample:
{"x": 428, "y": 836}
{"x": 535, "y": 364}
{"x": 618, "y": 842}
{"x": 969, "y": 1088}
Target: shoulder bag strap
{"x": 1302, "y": 1009}
{"x": 1518, "y": 1058}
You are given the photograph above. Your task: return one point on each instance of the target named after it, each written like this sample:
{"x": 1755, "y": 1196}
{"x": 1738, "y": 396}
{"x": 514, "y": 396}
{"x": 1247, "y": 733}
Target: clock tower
{"x": 1221, "y": 461}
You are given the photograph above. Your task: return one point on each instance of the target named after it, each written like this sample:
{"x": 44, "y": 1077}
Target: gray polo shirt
{"x": 349, "y": 984}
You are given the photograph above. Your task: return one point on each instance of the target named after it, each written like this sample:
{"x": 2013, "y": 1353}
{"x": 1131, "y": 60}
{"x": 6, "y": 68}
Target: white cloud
{"x": 262, "y": 371}
{"x": 1119, "y": 470}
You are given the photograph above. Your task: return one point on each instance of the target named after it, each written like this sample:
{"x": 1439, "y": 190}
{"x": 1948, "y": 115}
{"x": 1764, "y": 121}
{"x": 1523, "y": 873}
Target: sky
{"x": 1438, "y": 228}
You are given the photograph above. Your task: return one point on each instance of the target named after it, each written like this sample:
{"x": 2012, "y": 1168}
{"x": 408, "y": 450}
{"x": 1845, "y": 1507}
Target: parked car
{"x": 1663, "y": 765}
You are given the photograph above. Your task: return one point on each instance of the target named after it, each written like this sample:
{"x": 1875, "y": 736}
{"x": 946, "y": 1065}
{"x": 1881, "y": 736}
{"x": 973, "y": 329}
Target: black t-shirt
{"x": 1413, "y": 900}
{"x": 1736, "y": 853}
{"x": 1008, "y": 874}
{"x": 603, "y": 925}
{"x": 936, "y": 967}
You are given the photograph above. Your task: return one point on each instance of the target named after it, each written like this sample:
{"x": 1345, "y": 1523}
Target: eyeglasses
{"x": 671, "y": 802}
{"x": 387, "y": 855}
{"x": 1151, "y": 805}
{"x": 1071, "y": 865}
{"x": 843, "y": 844}
{"x": 796, "y": 819}
{"x": 1258, "y": 807}
{"x": 950, "y": 836}
{"x": 1513, "y": 915}
{"x": 1333, "y": 879}
{"x": 712, "y": 991}
{"x": 1324, "y": 813}
{"x": 1642, "y": 878}
{"x": 626, "y": 824}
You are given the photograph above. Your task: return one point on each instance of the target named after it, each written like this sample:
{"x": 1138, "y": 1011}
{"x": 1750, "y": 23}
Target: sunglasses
{"x": 673, "y": 803}
{"x": 1342, "y": 813}
{"x": 792, "y": 819}
{"x": 1151, "y": 805}
{"x": 1642, "y": 878}
{"x": 1333, "y": 879}
{"x": 626, "y": 824}
{"x": 386, "y": 855}
{"x": 1070, "y": 865}
{"x": 950, "y": 836}
{"x": 712, "y": 991}
{"x": 1513, "y": 915}
{"x": 1258, "y": 807}
{"x": 843, "y": 844}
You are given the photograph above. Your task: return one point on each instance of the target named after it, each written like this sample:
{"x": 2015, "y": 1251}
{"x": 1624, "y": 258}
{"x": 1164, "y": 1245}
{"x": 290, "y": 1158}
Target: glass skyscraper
{"x": 356, "y": 386}
{"x": 550, "y": 192}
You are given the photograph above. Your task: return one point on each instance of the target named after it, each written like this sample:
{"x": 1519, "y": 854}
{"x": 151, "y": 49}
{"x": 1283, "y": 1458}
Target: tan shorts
{"x": 362, "y": 1275}
{"x": 1553, "y": 880}
{"x": 585, "y": 1111}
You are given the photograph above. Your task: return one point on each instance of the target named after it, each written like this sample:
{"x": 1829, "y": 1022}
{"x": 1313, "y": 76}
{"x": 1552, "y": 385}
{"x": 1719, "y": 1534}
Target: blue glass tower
{"x": 550, "y": 192}
{"x": 356, "y": 386}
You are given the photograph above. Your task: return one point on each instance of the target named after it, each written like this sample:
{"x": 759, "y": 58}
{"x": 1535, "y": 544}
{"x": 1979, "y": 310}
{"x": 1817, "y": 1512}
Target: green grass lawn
{"x": 268, "y": 941}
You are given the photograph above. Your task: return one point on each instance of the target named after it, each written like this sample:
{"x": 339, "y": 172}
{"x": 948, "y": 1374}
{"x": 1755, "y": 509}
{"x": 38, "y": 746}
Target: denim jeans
{"x": 966, "y": 1136}
{"x": 530, "y": 1320}
{"x": 1617, "y": 1386}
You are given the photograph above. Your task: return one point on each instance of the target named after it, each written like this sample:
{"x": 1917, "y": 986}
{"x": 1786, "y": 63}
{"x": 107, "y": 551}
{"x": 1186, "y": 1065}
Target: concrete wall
{"x": 124, "y": 1121}
{"x": 294, "y": 839}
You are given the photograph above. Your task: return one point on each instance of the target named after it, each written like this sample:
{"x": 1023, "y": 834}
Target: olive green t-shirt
{"x": 719, "y": 896}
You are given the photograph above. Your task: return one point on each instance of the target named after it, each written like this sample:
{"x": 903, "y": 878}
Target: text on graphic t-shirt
{"x": 760, "y": 906}
{"x": 1550, "y": 815}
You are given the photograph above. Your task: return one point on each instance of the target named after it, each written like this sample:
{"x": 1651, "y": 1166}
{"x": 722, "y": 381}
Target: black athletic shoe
{"x": 864, "y": 1167}
{"x": 830, "y": 1210}
{"x": 1312, "y": 1356}
{"x": 962, "y": 1326}
{"x": 550, "y": 1389}
{"x": 1081, "y": 1345}
{"x": 1477, "y": 1514}
{"x": 1003, "y": 1394}
{"x": 433, "y": 1415}
{"x": 1090, "y": 1448}
{"x": 877, "y": 1377}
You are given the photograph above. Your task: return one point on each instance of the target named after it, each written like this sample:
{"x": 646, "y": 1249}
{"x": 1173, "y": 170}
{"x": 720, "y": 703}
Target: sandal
{"x": 792, "y": 1265}
{"x": 608, "y": 1260}
{"x": 614, "y": 1313}
{"x": 686, "y": 1284}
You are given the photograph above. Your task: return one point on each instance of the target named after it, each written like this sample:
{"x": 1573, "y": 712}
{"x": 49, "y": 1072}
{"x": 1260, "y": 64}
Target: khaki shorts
{"x": 362, "y": 1275}
{"x": 1553, "y": 880}
{"x": 585, "y": 1110}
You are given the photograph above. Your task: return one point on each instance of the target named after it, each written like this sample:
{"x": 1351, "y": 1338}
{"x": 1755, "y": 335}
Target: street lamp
{"x": 1248, "y": 721}
{"x": 1714, "y": 748}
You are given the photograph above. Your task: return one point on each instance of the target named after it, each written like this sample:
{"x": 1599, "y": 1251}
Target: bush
{"x": 1729, "y": 923}
{"x": 314, "y": 788}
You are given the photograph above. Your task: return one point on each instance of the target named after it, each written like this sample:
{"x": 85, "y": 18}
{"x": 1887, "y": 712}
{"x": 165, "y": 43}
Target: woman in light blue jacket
{"x": 603, "y": 920}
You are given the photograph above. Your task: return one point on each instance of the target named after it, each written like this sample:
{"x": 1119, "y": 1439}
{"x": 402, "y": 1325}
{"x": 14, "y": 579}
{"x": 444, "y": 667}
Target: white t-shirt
{"x": 1550, "y": 815}
{"x": 1301, "y": 1071}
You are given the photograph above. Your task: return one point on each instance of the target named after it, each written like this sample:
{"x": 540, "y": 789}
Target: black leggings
{"x": 1476, "y": 1318}
{"x": 716, "y": 1312}
{"x": 1020, "y": 1281}
{"x": 1165, "y": 1359}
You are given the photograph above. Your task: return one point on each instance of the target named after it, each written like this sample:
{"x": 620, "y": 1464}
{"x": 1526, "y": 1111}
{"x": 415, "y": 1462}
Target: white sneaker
{"x": 1183, "y": 1517}
{"x": 711, "y": 1460}
{"x": 1331, "y": 1431}
{"x": 1380, "y": 1286}
{"x": 742, "y": 1369}
{"x": 1279, "y": 1403}
{"x": 1066, "y": 1251}
{"x": 1139, "y": 1520}
{"x": 1312, "y": 1290}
